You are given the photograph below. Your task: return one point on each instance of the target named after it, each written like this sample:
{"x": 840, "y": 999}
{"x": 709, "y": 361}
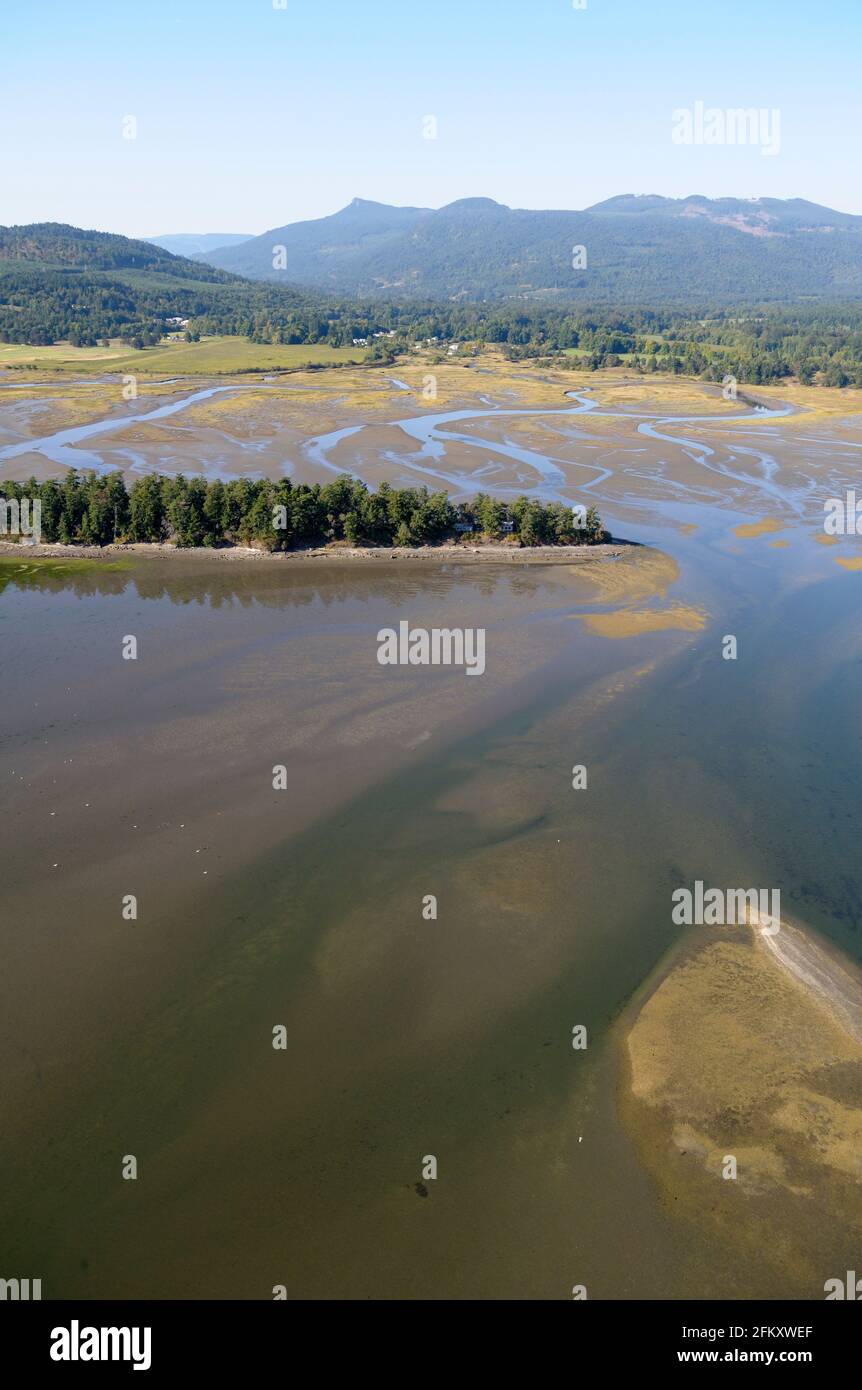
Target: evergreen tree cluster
{"x": 94, "y": 509}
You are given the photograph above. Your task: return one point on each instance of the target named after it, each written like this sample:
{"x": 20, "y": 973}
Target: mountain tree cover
{"x": 98, "y": 510}
{"x": 61, "y": 284}
{"x": 56, "y": 244}
{"x": 664, "y": 251}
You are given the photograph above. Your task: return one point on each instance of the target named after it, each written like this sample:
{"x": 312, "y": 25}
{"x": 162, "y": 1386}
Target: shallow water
{"x": 405, "y": 1038}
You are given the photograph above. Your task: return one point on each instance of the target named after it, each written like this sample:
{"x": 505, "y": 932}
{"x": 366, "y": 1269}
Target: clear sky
{"x": 249, "y": 116}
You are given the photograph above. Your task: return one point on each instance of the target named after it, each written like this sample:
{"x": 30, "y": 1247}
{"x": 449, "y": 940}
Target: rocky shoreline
{"x": 470, "y": 554}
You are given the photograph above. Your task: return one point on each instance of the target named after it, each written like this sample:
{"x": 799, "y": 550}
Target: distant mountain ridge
{"x": 637, "y": 249}
{"x": 197, "y": 243}
{"x": 361, "y": 228}
{"x": 67, "y": 284}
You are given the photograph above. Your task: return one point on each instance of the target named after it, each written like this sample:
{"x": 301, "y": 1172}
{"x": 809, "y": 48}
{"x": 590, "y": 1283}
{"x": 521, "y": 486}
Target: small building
{"x": 463, "y": 526}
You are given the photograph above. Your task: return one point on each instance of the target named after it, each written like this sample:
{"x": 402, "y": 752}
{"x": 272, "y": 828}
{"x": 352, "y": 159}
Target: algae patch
{"x": 46, "y": 571}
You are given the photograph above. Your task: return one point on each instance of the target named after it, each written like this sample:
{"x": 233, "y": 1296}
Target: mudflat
{"x": 303, "y": 908}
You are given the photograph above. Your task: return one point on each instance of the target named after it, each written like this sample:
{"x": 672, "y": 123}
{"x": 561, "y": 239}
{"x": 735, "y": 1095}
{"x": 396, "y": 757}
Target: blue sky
{"x": 250, "y": 116}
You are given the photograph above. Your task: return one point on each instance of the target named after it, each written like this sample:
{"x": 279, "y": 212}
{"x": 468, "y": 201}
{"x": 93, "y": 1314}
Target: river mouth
{"x": 408, "y": 1037}
{"x": 631, "y": 447}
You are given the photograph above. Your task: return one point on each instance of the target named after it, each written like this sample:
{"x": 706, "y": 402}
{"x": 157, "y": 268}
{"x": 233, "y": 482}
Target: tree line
{"x": 757, "y": 347}
{"x": 93, "y": 509}
{"x": 59, "y": 284}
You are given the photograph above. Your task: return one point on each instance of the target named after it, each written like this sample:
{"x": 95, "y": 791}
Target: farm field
{"x": 210, "y": 357}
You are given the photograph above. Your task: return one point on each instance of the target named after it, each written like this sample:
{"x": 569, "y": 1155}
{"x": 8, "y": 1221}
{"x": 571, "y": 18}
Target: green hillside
{"x": 651, "y": 250}
{"x": 64, "y": 284}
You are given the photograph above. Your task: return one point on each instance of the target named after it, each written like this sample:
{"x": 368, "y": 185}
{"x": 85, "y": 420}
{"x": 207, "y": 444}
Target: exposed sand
{"x": 751, "y": 1047}
{"x": 758, "y": 528}
{"x": 837, "y": 983}
{"x": 669, "y": 450}
{"x": 629, "y": 622}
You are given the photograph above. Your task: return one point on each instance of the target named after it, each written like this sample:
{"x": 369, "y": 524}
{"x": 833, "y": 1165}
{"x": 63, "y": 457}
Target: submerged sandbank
{"x": 750, "y": 1048}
